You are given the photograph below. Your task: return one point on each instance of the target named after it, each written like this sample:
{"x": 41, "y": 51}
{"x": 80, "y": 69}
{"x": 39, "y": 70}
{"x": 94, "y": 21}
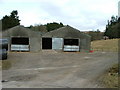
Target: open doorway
{"x": 71, "y": 45}
{"x": 46, "y": 43}
{"x": 20, "y": 44}
{"x": 71, "y": 42}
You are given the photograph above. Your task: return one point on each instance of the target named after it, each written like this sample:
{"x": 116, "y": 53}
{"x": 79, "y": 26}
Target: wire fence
{"x": 105, "y": 49}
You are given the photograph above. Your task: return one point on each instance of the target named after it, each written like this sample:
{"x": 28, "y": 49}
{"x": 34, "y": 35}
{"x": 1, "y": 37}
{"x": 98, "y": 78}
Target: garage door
{"x": 20, "y": 44}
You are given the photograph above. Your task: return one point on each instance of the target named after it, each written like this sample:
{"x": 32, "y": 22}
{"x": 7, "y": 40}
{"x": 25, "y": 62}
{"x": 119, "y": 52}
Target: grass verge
{"x": 105, "y": 45}
{"x": 5, "y": 64}
{"x": 110, "y": 78}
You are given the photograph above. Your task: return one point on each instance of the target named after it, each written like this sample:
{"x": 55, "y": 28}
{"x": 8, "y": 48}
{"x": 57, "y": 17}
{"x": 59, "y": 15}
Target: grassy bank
{"x": 110, "y": 78}
{"x": 105, "y": 45}
{"x": 0, "y": 64}
{"x": 6, "y": 64}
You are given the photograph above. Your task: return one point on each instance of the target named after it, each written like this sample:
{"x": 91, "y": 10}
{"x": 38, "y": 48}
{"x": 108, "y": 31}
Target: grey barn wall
{"x": 35, "y": 44}
{"x": 68, "y": 32}
{"x": 35, "y": 37}
{"x": 20, "y": 31}
{"x": 85, "y": 45}
{"x": 85, "y": 42}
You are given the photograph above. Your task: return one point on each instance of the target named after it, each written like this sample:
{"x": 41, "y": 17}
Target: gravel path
{"x": 51, "y": 69}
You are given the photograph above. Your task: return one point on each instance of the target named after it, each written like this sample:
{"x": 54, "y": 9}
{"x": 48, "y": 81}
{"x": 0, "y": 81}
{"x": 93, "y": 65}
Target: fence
{"x": 106, "y": 49}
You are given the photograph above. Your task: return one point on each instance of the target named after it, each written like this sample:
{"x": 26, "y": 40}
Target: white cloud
{"x": 81, "y": 14}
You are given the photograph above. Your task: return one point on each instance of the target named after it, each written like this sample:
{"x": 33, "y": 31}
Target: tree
{"x": 10, "y": 21}
{"x": 118, "y": 29}
{"x": 119, "y": 20}
{"x": 95, "y": 35}
{"x": 53, "y": 26}
{"x": 113, "y": 28}
{"x": 113, "y": 20}
{"x": 41, "y": 28}
{"x": 46, "y": 28}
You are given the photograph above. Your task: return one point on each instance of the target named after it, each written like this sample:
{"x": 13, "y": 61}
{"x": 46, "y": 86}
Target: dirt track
{"x": 51, "y": 69}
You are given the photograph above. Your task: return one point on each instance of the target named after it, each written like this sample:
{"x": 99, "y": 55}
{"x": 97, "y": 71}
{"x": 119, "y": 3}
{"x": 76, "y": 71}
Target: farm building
{"x": 64, "y": 39}
{"x": 22, "y": 39}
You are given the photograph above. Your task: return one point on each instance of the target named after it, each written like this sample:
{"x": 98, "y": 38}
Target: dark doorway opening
{"x": 71, "y": 42}
{"x": 20, "y": 44}
{"x": 46, "y": 43}
{"x": 71, "y": 45}
{"x": 20, "y": 41}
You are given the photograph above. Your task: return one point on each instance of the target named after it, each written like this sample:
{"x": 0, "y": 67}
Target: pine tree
{"x": 10, "y": 21}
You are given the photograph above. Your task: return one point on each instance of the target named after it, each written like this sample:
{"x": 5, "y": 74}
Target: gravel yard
{"x": 51, "y": 69}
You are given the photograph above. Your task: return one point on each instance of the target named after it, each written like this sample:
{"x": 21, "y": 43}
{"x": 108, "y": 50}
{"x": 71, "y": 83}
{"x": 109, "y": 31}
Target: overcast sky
{"x": 80, "y": 14}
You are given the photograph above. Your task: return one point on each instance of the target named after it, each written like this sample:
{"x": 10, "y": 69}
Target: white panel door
{"x": 57, "y": 43}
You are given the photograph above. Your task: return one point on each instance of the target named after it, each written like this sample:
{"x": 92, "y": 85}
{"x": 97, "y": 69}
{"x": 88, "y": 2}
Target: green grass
{"x": 105, "y": 45}
{"x": 5, "y": 64}
{"x": 0, "y": 64}
{"x": 110, "y": 79}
